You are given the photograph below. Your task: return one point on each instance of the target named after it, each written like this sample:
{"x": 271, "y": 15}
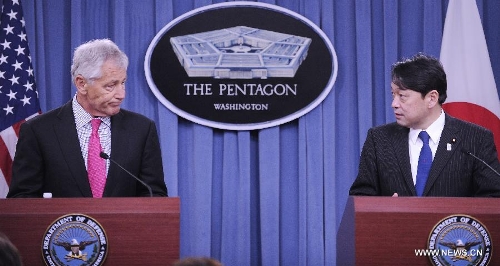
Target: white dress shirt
{"x": 415, "y": 143}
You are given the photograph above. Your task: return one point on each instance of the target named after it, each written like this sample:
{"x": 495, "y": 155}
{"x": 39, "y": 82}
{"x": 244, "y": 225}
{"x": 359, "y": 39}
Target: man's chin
{"x": 401, "y": 122}
{"x": 113, "y": 111}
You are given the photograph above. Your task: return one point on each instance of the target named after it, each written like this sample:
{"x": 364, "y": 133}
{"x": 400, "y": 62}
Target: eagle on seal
{"x": 75, "y": 248}
{"x": 461, "y": 249}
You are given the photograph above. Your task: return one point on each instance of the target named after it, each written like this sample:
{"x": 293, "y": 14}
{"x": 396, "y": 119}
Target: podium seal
{"x": 74, "y": 239}
{"x": 459, "y": 240}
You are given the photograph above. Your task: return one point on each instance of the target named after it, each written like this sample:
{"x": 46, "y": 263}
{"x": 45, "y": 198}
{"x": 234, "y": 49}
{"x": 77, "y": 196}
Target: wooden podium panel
{"x": 387, "y": 231}
{"x": 140, "y": 231}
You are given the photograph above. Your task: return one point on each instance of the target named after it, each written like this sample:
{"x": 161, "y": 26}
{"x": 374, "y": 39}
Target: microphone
{"x": 106, "y": 157}
{"x": 482, "y": 161}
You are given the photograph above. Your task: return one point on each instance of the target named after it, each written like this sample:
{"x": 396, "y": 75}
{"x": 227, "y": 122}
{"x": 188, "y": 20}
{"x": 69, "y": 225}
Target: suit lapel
{"x": 69, "y": 145}
{"x": 119, "y": 134}
{"x": 118, "y": 150}
{"x": 402, "y": 153}
{"x": 443, "y": 155}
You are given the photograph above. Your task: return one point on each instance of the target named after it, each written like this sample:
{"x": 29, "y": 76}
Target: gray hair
{"x": 89, "y": 57}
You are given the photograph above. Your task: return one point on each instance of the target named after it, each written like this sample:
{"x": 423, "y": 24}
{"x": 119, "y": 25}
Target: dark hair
{"x": 9, "y": 254}
{"x": 420, "y": 73}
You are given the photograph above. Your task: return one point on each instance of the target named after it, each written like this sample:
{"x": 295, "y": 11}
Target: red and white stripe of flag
{"x": 472, "y": 92}
{"x": 8, "y": 142}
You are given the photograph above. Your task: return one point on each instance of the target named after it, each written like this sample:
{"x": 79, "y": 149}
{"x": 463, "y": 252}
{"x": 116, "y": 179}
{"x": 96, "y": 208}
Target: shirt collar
{"x": 434, "y": 130}
{"x": 83, "y": 118}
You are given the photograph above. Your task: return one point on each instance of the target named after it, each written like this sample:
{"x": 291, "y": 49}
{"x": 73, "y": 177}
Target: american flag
{"x": 18, "y": 95}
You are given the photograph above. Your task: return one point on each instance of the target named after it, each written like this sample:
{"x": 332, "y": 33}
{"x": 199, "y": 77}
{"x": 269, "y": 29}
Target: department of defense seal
{"x": 460, "y": 240}
{"x": 74, "y": 239}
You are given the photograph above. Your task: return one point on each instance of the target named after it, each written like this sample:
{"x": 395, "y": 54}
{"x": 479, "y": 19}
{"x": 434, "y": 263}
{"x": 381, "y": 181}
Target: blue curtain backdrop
{"x": 264, "y": 197}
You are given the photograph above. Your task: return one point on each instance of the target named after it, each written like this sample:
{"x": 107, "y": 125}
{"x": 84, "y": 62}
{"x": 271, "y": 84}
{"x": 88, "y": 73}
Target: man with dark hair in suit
{"x": 391, "y": 163}
{"x": 59, "y": 152}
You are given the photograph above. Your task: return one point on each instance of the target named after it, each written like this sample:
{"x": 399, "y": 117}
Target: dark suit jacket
{"x": 385, "y": 169}
{"x": 48, "y": 157}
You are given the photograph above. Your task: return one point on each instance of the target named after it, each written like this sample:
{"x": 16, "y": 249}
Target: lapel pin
{"x": 448, "y": 145}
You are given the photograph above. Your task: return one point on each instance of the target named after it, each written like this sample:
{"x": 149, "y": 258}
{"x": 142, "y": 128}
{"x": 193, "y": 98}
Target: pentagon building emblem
{"x": 241, "y": 65}
{"x": 240, "y": 53}
{"x": 460, "y": 240}
{"x": 74, "y": 239}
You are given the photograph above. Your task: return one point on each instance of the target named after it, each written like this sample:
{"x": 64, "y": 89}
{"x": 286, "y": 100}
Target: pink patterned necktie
{"x": 96, "y": 166}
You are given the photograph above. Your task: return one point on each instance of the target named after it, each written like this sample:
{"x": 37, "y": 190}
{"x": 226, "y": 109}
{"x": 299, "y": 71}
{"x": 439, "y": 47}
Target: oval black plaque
{"x": 241, "y": 65}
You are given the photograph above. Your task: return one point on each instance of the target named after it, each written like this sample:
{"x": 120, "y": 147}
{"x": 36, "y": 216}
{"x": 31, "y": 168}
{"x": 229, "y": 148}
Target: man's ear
{"x": 81, "y": 84}
{"x": 433, "y": 98}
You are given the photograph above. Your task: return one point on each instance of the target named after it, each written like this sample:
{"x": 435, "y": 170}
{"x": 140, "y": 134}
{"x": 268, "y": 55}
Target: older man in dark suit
{"x": 426, "y": 152}
{"x": 59, "y": 152}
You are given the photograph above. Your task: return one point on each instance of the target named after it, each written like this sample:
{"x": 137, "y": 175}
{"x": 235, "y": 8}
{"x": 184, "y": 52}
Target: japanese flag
{"x": 472, "y": 92}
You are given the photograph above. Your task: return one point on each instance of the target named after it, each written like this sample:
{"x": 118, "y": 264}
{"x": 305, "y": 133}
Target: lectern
{"x": 397, "y": 231}
{"x": 140, "y": 231}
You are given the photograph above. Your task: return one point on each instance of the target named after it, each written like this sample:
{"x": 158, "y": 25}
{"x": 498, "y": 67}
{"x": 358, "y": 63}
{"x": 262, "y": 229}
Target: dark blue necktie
{"x": 424, "y": 163}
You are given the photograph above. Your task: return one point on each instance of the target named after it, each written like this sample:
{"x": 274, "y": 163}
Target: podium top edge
{"x": 425, "y": 204}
